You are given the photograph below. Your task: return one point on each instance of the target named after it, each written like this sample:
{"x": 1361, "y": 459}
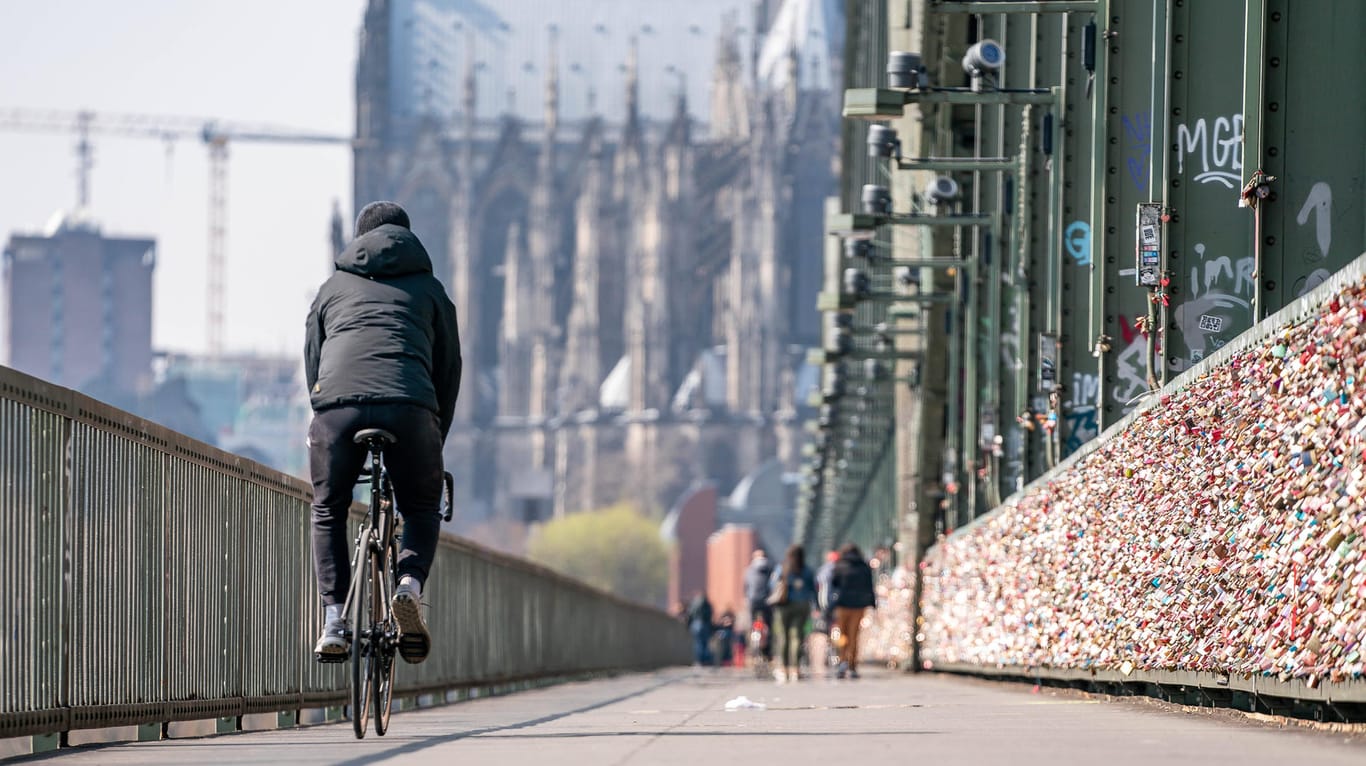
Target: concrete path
{"x": 678, "y": 717}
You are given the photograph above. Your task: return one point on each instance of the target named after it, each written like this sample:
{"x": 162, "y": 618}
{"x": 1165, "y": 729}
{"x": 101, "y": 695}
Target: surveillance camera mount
{"x": 881, "y": 104}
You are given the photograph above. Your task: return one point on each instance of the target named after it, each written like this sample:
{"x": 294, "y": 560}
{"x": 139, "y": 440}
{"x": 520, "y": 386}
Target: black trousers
{"x": 335, "y": 462}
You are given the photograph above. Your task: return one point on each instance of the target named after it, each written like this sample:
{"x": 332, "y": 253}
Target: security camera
{"x": 856, "y": 282}
{"x": 984, "y": 56}
{"x": 883, "y": 142}
{"x": 836, "y": 372}
{"x": 858, "y": 248}
{"x": 905, "y": 276}
{"x": 904, "y": 70}
{"x": 941, "y": 191}
{"x": 832, "y": 390}
{"x": 877, "y": 200}
{"x": 982, "y": 61}
{"x": 841, "y": 343}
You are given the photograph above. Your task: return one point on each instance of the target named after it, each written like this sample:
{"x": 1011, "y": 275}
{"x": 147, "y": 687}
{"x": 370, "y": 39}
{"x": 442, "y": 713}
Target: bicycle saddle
{"x": 378, "y": 434}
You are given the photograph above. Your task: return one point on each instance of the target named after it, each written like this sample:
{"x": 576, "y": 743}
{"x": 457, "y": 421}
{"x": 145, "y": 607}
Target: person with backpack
{"x": 792, "y": 593}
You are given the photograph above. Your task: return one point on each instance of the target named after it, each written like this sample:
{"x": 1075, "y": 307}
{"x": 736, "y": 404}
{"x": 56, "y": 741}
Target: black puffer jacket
{"x": 852, "y": 582}
{"x": 383, "y": 330}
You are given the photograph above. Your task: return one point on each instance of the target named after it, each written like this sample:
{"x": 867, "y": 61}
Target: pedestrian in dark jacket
{"x": 851, "y": 591}
{"x": 382, "y": 351}
{"x": 700, "y": 626}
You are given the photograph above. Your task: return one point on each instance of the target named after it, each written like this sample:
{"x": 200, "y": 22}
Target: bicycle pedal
{"x": 329, "y": 658}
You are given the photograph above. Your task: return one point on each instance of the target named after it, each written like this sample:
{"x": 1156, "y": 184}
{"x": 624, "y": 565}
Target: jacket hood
{"x": 385, "y": 251}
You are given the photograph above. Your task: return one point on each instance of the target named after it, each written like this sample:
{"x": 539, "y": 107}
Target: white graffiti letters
{"x": 1085, "y": 389}
{"x": 1320, "y": 203}
{"x": 1219, "y": 149}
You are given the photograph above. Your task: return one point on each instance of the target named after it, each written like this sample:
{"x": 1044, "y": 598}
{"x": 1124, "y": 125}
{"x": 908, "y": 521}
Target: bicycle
{"x": 755, "y": 658}
{"x": 374, "y": 576}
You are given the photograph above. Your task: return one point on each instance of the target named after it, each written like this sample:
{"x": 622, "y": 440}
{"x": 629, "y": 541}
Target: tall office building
{"x": 78, "y": 307}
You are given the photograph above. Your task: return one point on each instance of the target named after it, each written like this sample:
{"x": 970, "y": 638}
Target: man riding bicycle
{"x": 382, "y": 351}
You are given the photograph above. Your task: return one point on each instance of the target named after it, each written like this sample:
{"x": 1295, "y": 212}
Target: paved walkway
{"x": 678, "y": 717}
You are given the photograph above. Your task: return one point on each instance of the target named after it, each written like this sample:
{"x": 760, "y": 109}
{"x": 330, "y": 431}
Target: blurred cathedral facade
{"x": 624, "y": 199}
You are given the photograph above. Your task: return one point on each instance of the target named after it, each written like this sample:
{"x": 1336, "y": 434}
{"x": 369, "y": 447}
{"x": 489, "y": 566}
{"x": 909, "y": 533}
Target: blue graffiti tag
{"x": 1138, "y": 147}
{"x": 1081, "y": 428}
{"x": 1077, "y": 241}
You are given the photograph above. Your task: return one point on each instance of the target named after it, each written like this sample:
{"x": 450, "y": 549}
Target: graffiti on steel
{"x": 1079, "y": 411}
{"x": 1218, "y": 150}
{"x": 1010, "y": 339}
{"x": 1077, "y": 241}
{"x": 1138, "y": 147}
{"x": 1131, "y": 367}
{"x": 1221, "y": 292}
{"x": 1319, "y": 203}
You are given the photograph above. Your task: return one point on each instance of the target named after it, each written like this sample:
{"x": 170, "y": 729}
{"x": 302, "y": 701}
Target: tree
{"x": 615, "y": 549}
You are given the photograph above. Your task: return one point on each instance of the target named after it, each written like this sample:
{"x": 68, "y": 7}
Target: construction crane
{"x": 215, "y": 135}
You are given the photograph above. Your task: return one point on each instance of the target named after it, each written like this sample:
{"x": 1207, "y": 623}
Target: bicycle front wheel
{"x": 362, "y": 649}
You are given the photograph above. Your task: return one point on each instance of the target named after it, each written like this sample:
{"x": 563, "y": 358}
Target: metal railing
{"x": 152, "y": 578}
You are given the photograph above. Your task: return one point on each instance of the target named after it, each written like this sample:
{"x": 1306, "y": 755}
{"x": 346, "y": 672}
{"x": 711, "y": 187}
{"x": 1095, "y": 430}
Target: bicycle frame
{"x": 378, "y": 527}
{"x": 375, "y": 639}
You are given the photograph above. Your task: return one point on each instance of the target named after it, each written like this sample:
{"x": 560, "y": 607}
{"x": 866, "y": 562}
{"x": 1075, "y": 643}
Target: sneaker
{"x": 414, "y": 642}
{"x": 842, "y": 670}
{"x": 334, "y": 644}
{"x": 793, "y": 675}
{"x": 853, "y": 673}
{"x": 780, "y": 675}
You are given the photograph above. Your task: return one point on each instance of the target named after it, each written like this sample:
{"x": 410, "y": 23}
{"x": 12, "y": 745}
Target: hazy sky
{"x": 284, "y": 62}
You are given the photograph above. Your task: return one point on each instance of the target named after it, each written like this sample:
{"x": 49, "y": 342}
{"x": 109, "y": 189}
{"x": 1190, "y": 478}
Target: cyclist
{"x": 382, "y": 351}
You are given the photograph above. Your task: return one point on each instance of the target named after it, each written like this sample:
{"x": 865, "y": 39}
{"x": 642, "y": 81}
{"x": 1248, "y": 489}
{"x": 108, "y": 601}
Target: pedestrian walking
{"x": 851, "y": 593}
{"x": 722, "y": 638}
{"x": 792, "y": 594}
{"x": 823, "y": 575}
{"x": 757, "y": 575}
{"x": 700, "y": 625}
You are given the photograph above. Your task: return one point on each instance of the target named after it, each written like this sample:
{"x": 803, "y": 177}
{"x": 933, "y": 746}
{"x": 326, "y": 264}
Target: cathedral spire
{"x": 336, "y": 233}
{"x": 729, "y": 105}
{"x": 470, "y": 98}
{"x": 552, "y": 83}
{"x": 632, "y": 84}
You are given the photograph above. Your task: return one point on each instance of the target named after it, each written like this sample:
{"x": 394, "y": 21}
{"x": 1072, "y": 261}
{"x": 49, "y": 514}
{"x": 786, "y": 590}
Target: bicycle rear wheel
{"x": 362, "y": 650}
{"x": 386, "y": 632}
